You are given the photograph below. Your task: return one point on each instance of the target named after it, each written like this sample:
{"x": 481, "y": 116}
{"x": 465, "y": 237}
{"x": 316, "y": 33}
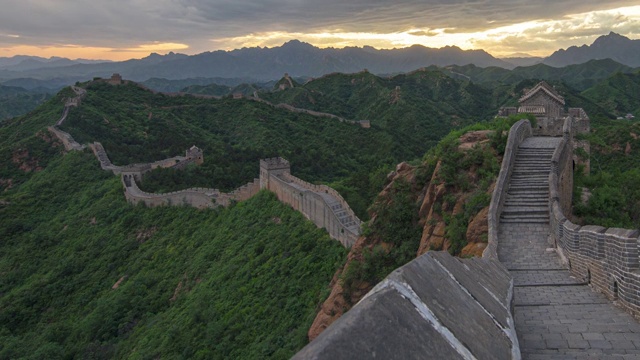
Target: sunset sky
{"x": 119, "y": 29}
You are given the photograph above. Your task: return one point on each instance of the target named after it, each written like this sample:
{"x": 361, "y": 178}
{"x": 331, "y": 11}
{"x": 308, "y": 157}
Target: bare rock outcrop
{"x": 436, "y": 202}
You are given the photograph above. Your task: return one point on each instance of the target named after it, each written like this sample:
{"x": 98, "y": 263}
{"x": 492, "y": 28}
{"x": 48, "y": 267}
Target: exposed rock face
{"x": 627, "y": 149}
{"x": 468, "y": 140}
{"x": 477, "y": 233}
{"x": 432, "y": 211}
{"x": 25, "y": 161}
{"x": 339, "y": 301}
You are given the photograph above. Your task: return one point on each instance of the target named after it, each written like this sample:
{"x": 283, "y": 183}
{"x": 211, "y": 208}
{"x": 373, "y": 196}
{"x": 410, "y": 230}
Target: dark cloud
{"x": 120, "y": 23}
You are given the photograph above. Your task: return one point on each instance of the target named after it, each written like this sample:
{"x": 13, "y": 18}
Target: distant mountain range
{"x": 613, "y": 46}
{"x": 296, "y": 58}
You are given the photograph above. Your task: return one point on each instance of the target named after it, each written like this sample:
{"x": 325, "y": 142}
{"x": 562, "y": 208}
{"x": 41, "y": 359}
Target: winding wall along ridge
{"x": 337, "y": 217}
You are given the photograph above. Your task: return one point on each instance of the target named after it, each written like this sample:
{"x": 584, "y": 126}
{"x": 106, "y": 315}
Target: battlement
{"x": 276, "y": 163}
{"x": 578, "y": 113}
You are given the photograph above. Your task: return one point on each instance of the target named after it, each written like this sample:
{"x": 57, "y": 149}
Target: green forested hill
{"x": 135, "y": 125}
{"x": 15, "y": 101}
{"x": 85, "y": 275}
{"x": 618, "y": 94}
{"x": 242, "y": 282}
{"x": 416, "y": 108}
{"x": 580, "y": 76}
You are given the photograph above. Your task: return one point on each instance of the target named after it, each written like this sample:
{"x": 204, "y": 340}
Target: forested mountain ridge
{"x": 87, "y": 275}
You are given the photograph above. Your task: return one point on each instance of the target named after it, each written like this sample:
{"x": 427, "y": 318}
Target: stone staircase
{"x": 527, "y": 199}
{"x": 341, "y": 213}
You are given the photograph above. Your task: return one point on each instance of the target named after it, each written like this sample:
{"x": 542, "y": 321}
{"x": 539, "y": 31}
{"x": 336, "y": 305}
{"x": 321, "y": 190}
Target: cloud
{"x": 546, "y": 36}
{"x": 423, "y": 33}
{"x": 120, "y": 24}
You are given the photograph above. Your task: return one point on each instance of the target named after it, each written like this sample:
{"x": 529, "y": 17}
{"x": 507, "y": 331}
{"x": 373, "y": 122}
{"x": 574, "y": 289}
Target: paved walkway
{"x": 557, "y": 317}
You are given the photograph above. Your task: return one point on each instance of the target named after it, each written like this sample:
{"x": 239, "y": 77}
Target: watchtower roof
{"x": 547, "y": 89}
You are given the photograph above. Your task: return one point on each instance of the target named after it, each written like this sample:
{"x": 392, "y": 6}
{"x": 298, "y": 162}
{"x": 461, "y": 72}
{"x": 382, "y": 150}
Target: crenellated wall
{"x": 608, "y": 259}
{"x": 321, "y": 204}
{"x": 192, "y": 156}
{"x": 197, "y": 197}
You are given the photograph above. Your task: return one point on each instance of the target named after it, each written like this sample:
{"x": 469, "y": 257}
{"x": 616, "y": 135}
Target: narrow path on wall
{"x": 556, "y": 316}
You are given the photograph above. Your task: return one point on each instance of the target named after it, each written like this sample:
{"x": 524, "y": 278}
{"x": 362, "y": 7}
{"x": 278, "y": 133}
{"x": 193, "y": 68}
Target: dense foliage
{"x": 395, "y": 231}
{"x": 580, "y": 76}
{"x": 416, "y": 109}
{"x": 85, "y": 275}
{"x": 16, "y": 101}
{"x": 614, "y": 178}
{"x": 242, "y": 282}
{"x": 25, "y": 144}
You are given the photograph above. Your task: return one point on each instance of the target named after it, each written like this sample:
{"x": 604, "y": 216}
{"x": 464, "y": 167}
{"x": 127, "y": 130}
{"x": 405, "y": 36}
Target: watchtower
{"x": 195, "y": 154}
{"x": 273, "y": 166}
{"x": 115, "y": 79}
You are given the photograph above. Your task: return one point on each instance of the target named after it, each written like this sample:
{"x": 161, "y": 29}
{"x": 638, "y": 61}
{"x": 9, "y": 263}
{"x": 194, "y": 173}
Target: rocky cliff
{"x": 440, "y": 204}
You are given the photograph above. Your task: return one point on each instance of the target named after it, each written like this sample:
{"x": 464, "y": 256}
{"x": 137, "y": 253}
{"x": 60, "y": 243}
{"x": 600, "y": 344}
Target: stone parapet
{"x": 197, "y": 197}
{"x": 519, "y": 131}
{"x": 67, "y": 140}
{"x": 320, "y": 204}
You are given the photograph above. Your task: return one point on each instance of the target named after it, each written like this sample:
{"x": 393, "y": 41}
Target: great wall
{"x": 519, "y": 300}
{"x": 319, "y": 203}
{"x": 544, "y": 287}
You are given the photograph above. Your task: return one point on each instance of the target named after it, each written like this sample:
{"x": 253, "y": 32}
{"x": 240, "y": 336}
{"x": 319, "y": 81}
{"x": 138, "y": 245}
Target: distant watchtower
{"x": 115, "y": 79}
{"x": 546, "y": 104}
{"x": 272, "y": 166}
{"x": 195, "y": 154}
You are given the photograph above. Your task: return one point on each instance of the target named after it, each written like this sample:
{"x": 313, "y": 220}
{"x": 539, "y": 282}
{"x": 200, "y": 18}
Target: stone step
{"x": 522, "y": 168}
{"x": 541, "y": 178}
{"x": 524, "y": 219}
{"x": 545, "y": 152}
{"x": 525, "y": 210}
{"x": 526, "y": 181}
{"x": 541, "y": 190}
{"x": 538, "y": 174}
{"x": 537, "y": 154}
{"x": 534, "y": 187}
{"x": 541, "y": 149}
{"x": 525, "y": 203}
{"x": 531, "y": 167}
{"x": 527, "y": 199}
{"x": 536, "y": 216}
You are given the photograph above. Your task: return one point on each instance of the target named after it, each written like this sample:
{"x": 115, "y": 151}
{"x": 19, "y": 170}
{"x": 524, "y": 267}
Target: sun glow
{"x": 74, "y": 51}
{"x": 537, "y": 38}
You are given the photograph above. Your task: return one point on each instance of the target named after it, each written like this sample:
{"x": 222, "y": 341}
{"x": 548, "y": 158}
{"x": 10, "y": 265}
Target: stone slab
{"x": 385, "y": 325}
{"x": 455, "y": 308}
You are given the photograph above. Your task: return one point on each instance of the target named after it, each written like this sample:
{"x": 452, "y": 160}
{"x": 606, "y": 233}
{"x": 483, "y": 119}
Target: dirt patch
{"x": 117, "y": 284}
{"x": 145, "y": 234}
{"x": 6, "y": 184}
{"x": 24, "y": 161}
